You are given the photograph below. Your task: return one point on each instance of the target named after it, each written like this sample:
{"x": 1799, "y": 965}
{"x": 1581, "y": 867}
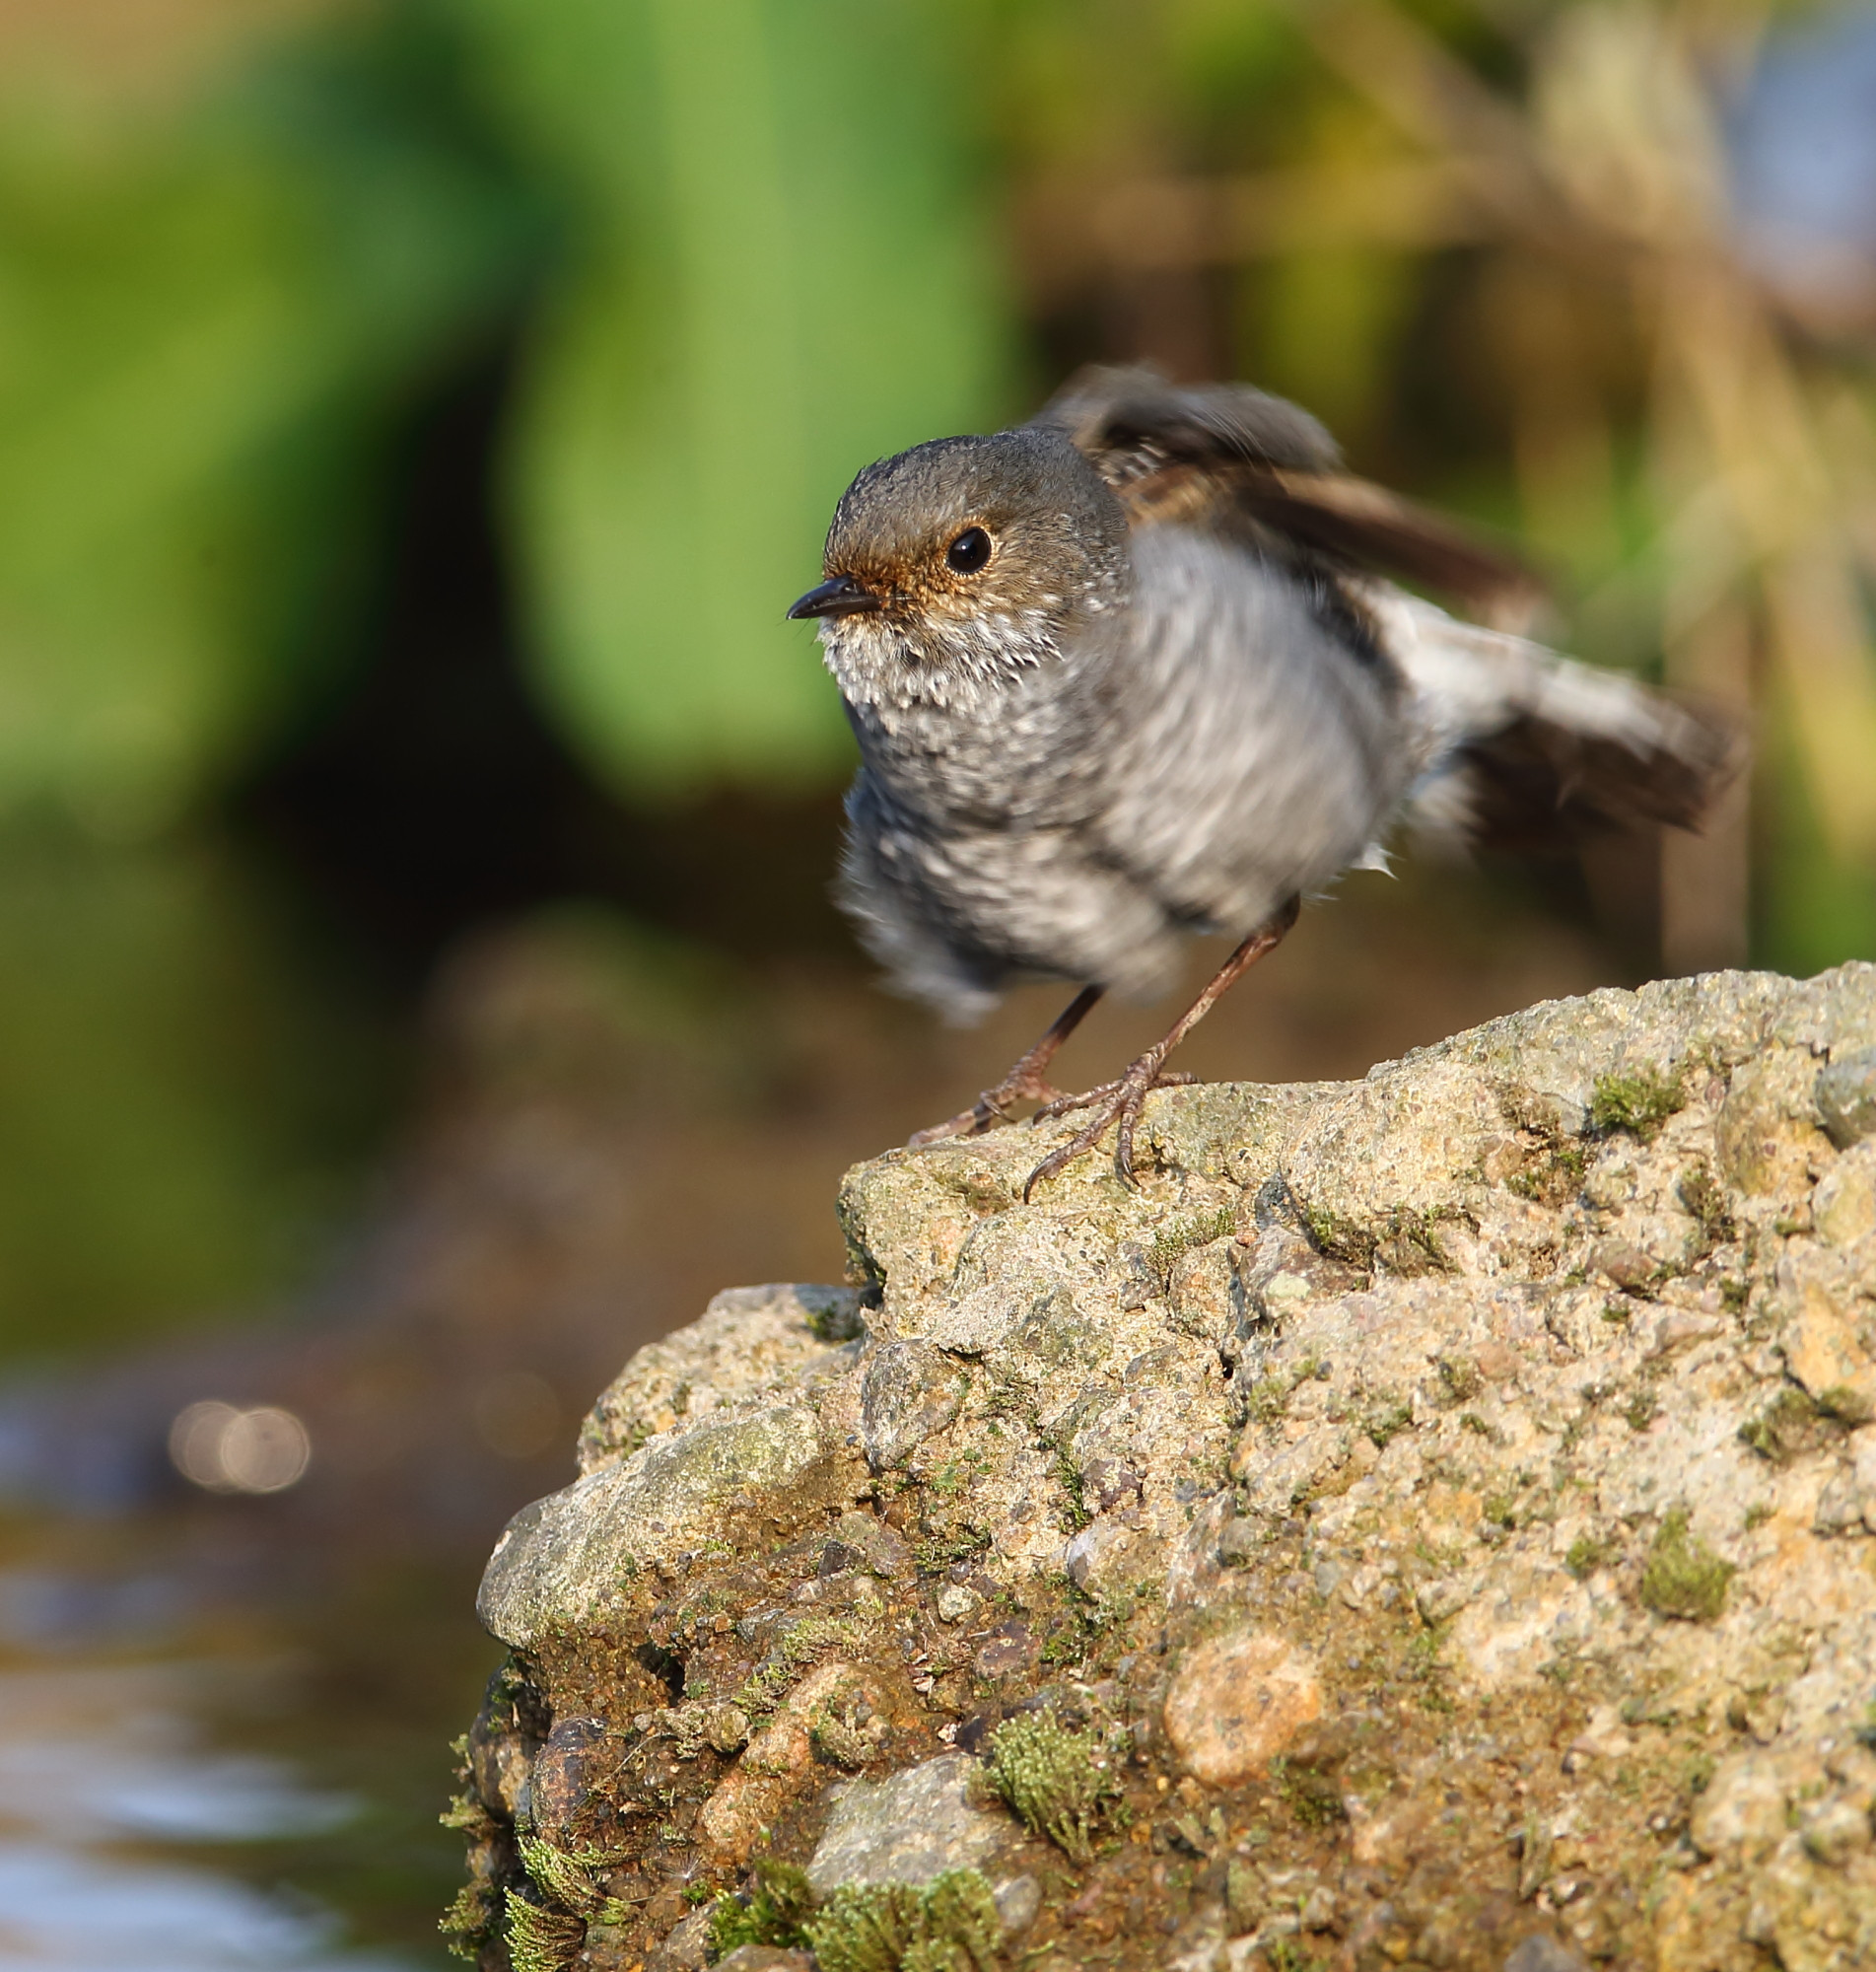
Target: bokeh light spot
{"x": 224, "y": 1450}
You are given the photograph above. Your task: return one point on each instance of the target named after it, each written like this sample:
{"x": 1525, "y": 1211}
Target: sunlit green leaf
{"x": 778, "y": 276}
{"x": 204, "y": 321}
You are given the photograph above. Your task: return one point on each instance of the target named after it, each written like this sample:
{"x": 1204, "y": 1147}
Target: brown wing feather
{"x": 1532, "y": 751}
{"x": 1535, "y": 787}
{"x": 1133, "y": 420}
{"x": 1227, "y": 456}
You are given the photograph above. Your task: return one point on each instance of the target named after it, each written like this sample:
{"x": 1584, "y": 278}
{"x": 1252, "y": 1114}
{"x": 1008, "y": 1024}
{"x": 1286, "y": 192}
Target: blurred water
{"x": 93, "y": 1913}
{"x": 205, "y": 1768}
{"x": 111, "y": 1811}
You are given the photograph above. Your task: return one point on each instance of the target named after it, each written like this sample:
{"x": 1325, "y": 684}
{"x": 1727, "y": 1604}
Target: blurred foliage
{"x": 735, "y": 249}
{"x": 746, "y": 244}
{"x": 747, "y": 257}
{"x": 208, "y": 323}
{"x": 778, "y": 272}
{"x": 739, "y": 247}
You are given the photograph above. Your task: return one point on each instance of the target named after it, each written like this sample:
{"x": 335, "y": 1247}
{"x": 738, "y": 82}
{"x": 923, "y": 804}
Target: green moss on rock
{"x": 1683, "y": 1577}
{"x": 1062, "y": 1384}
{"x": 541, "y": 1939}
{"x": 950, "y": 1925}
{"x": 563, "y": 1878}
{"x": 1586, "y": 1555}
{"x": 470, "y": 1922}
{"x": 1639, "y": 1101}
{"x": 1783, "y": 1429}
{"x": 1059, "y": 1782}
{"x": 775, "y": 1913}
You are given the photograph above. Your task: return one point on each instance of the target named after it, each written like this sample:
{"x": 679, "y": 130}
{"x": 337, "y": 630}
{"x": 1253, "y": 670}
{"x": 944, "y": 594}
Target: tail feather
{"x": 1525, "y": 749}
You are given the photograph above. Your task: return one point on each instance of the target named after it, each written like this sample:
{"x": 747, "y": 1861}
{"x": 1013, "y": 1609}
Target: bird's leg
{"x": 1025, "y": 1082}
{"x": 1121, "y": 1101}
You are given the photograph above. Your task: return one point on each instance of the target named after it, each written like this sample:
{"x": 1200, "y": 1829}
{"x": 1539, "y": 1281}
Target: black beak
{"x": 840, "y": 596}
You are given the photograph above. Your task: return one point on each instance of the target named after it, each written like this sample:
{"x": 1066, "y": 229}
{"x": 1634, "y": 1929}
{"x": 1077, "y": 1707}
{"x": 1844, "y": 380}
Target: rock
{"x": 1096, "y": 1555}
{"x": 1742, "y": 1813}
{"x": 1769, "y": 1141}
{"x": 765, "y": 1958}
{"x": 751, "y": 1794}
{"x": 1019, "y": 1900}
{"x": 571, "y": 1779}
{"x": 1843, "y": 1204}
{"x": 500, "y": 1769}
{"x": 1847, "y": 1503}
{"x": 1837, "y": 1833}
{"x": 859, "y": 1540}
{"x": 1202, "y": 1292}
{"x": 1236, "y": 1701}
{"x": 726, "y": 1728}
{"x": 910, "y": 1828}
{"x": 749, "y": 1340}
{"x": 687, "y": 1949}
{"x": 572, "y": 1557}
{"x": 1830, "y": 1334}
{"x": 1434, "y": 1507}
{"x": 910, "y": 1392}
{"x": 1009, "y": 1650}
{"x": 1847, "y": 1097}
{"x": 1238, "y": 1542}
{"x": 1539, "y": 1953}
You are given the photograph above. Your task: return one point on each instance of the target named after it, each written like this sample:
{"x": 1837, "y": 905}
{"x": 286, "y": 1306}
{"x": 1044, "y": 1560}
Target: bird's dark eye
{"x": 969, "y": 552}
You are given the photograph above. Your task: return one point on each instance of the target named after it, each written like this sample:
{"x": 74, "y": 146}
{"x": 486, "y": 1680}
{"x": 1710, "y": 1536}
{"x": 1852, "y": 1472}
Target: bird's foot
{"x": 1021, "y": 1085}
{"x": 1027, "y": 1081}
{"x": 1115, "y": 1103}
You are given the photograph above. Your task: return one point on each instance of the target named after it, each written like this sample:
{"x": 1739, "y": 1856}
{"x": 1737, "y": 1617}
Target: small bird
{"x": 1135, "y": 670}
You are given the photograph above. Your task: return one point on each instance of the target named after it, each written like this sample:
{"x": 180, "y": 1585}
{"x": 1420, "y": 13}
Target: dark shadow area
{"x": 429, "y": 796}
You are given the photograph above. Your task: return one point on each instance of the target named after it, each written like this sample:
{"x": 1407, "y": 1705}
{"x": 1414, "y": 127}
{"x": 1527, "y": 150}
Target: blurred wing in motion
{"x": 1528, "y": 750}
{"x": 1238, "y": 462}
{"x": 1521, "y": 749}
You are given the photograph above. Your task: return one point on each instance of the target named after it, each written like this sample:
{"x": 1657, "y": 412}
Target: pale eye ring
{"x": 969, "y": 552}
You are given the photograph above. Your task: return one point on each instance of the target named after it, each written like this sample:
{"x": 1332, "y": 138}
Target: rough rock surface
{"x": 1444, "y": 1503}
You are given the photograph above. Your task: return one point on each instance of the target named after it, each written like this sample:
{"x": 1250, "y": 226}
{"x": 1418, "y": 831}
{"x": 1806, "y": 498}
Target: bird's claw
{"x": 991, "y": 1107}
{"x": 1062, "y": 1106}
{"x": 1118, "y": 1102}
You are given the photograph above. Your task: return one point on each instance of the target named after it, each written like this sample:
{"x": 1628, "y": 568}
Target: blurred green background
{"x": 415, "y": 414}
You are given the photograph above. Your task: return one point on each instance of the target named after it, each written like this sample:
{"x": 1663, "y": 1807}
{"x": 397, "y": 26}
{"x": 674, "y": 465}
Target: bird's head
{"x": 962, "y": 564}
